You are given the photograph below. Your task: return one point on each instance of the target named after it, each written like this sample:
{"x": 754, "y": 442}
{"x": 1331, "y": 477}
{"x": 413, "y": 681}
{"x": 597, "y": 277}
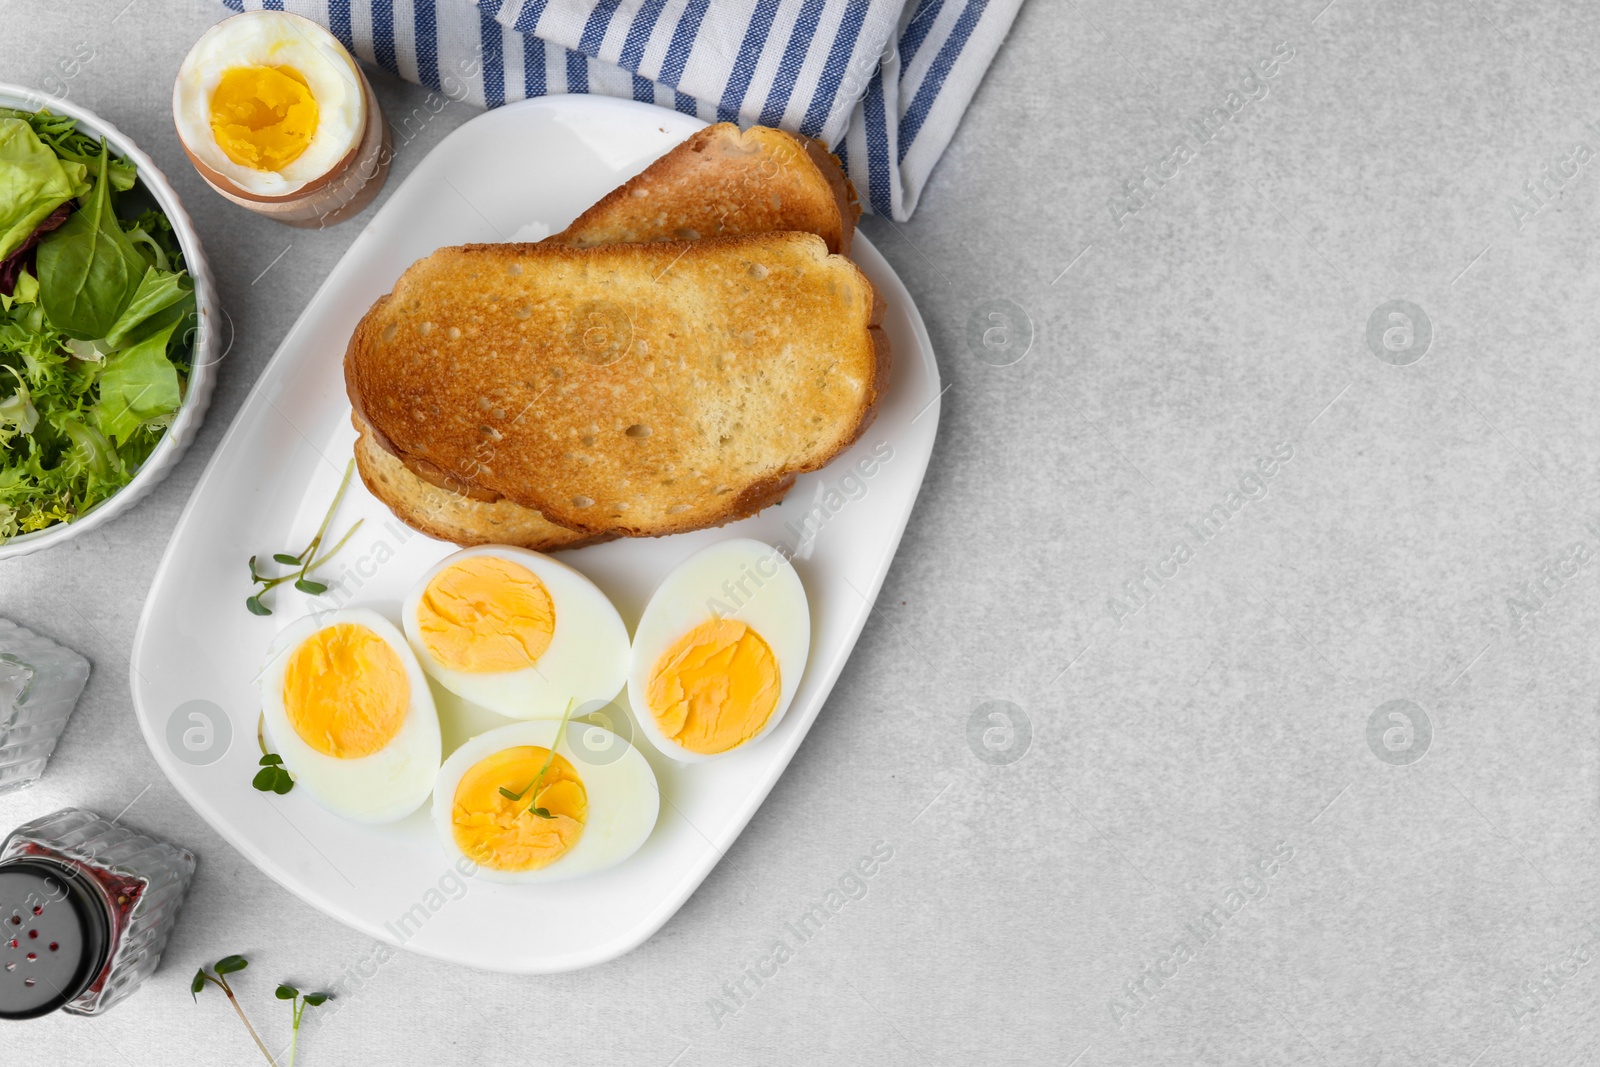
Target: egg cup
{"x": 342, "y": 192}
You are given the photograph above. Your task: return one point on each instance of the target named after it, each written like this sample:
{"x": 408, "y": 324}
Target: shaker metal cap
{"x": 54, "y": 934}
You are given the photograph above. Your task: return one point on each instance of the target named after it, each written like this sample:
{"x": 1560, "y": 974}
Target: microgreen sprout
{"x": 306, "y": 562}
{"x": 273, "y": 777}
{"x": 533, "y": 786}
{"x": 301, "y": 1003}
{"x": 218, "y": 976}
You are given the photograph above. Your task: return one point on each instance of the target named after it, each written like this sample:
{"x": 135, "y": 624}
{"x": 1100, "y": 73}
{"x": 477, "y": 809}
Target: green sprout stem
{"x": 299, "y": 1003}
{"x": 337, "y": 545}
{"x": 253, "y": 1035}
{"x": 533, "y": 786}
{"x": 300, "y": 575}
{"x": 294, "y": 1033}
{"x": 220, "y": 980}
{"x": 307, "y": 559}
{"x": 344, "y": 483}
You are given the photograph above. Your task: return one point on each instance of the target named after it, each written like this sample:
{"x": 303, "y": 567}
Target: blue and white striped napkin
{"x": 884, "y": 82}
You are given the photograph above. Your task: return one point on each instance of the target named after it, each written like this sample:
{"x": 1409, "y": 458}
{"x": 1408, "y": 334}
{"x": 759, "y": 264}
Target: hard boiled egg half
{"x": 348, "y": 709}
{"x": 598, "y": 792}
{"x": 516, "y": 632}
{"x": 269, "y": 102}
{"x": 719, "y": 650}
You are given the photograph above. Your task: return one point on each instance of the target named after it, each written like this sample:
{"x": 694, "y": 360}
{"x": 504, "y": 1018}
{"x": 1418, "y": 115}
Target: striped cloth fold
{"x": 884, "y": 82}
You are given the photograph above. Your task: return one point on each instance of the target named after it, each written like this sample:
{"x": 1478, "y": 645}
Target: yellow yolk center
{"x": 497, "y": 832}
{"x": 346, "y": 691}
{"x": 715, "y": 688}
{"x": 263, "y": 117}
{"x": 485, "y": 615}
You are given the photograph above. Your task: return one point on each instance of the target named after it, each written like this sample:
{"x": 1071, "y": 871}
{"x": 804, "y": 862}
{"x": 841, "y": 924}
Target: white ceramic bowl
{"x": 202, "y": 376}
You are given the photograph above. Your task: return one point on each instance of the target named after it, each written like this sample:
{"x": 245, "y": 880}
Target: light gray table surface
{"x": 1419, "y": 544}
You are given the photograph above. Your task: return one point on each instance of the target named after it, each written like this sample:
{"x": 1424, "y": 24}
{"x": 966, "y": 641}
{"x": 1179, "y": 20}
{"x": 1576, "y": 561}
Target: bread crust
{"x": 469, "y": 521}
{"x": 831, "y": 167}
{"x": 447, "y": 515}
{"x": 412, "y": 388}
{"x": 723, "y": 182}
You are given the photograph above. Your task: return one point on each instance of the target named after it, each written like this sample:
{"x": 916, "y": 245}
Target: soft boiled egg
{"x": 516, "y": 632}
{"x": 719, "y": 650}
{"x": 270, "y": 102}
{"x": 600, "y": 808}
{"x": 348, "y": 709}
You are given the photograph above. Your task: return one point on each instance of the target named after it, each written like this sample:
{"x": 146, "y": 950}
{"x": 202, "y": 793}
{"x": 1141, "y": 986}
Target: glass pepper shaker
{"x": 85, "y": 910}
{"x": 40, "y": 682}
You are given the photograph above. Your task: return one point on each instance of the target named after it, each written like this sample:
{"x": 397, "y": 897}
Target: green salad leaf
{"x": 34, "y": 181}
{"x": 17, "y": 413}
{"x": 88, "y": 269}
{"x": 26, "y": 291}
{"x": 136, "y": 386}
{"x": 61, "y": 135}
{"x": 151, "y": 233}
{"x": 162, "y": 297}
{"x": 89, "y": 452}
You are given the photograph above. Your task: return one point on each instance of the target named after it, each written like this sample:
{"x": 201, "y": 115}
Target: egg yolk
{"x": 346, "y": 691}
{"x": 498, "y": 832}
{"x": 715, "y": 688}
{"x": 263, "y": 117}
{"x": 486, "y": 614}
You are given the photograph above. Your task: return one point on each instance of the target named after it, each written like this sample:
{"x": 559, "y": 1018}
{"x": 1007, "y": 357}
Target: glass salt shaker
{"x": 40, "y": 683}
{"x": 85, "y": 910}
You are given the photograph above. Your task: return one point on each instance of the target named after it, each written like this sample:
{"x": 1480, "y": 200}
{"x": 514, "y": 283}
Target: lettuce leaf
{"x": 17, "y": 413}
{"x": 33, "y": 182}
{"x": 61, "y": 135}
{"x": 151, "y": 233}
{"x": 137, "y": 385}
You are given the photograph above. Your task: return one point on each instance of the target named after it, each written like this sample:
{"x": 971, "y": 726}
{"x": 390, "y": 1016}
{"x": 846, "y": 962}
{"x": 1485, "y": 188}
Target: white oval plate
{"x": 516, "y": 173}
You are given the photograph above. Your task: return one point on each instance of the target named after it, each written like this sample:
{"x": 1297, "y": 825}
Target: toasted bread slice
{"x": 448, "y": 512}
{"x": 636, "y": 390}
{"x": 718, "y": 182}
{"x": 721, "y": 182}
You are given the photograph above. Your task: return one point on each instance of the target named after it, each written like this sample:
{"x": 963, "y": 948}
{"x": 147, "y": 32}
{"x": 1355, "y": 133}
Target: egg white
{"x": 382, "y": 787}
{"x": 272, "y": 39}
{"x": 623, "y": 797}
{"x": 739, "y": 579}
{"x": 588, "y": 655}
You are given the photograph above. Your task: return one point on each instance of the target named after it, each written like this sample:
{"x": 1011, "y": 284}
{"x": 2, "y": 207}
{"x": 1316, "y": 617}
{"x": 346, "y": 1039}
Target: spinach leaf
{"x": 138, "y": 384}
{"x": 158, "y": 291}
{"x": 33, "y": 183}
{"x": 88, "y": 269}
